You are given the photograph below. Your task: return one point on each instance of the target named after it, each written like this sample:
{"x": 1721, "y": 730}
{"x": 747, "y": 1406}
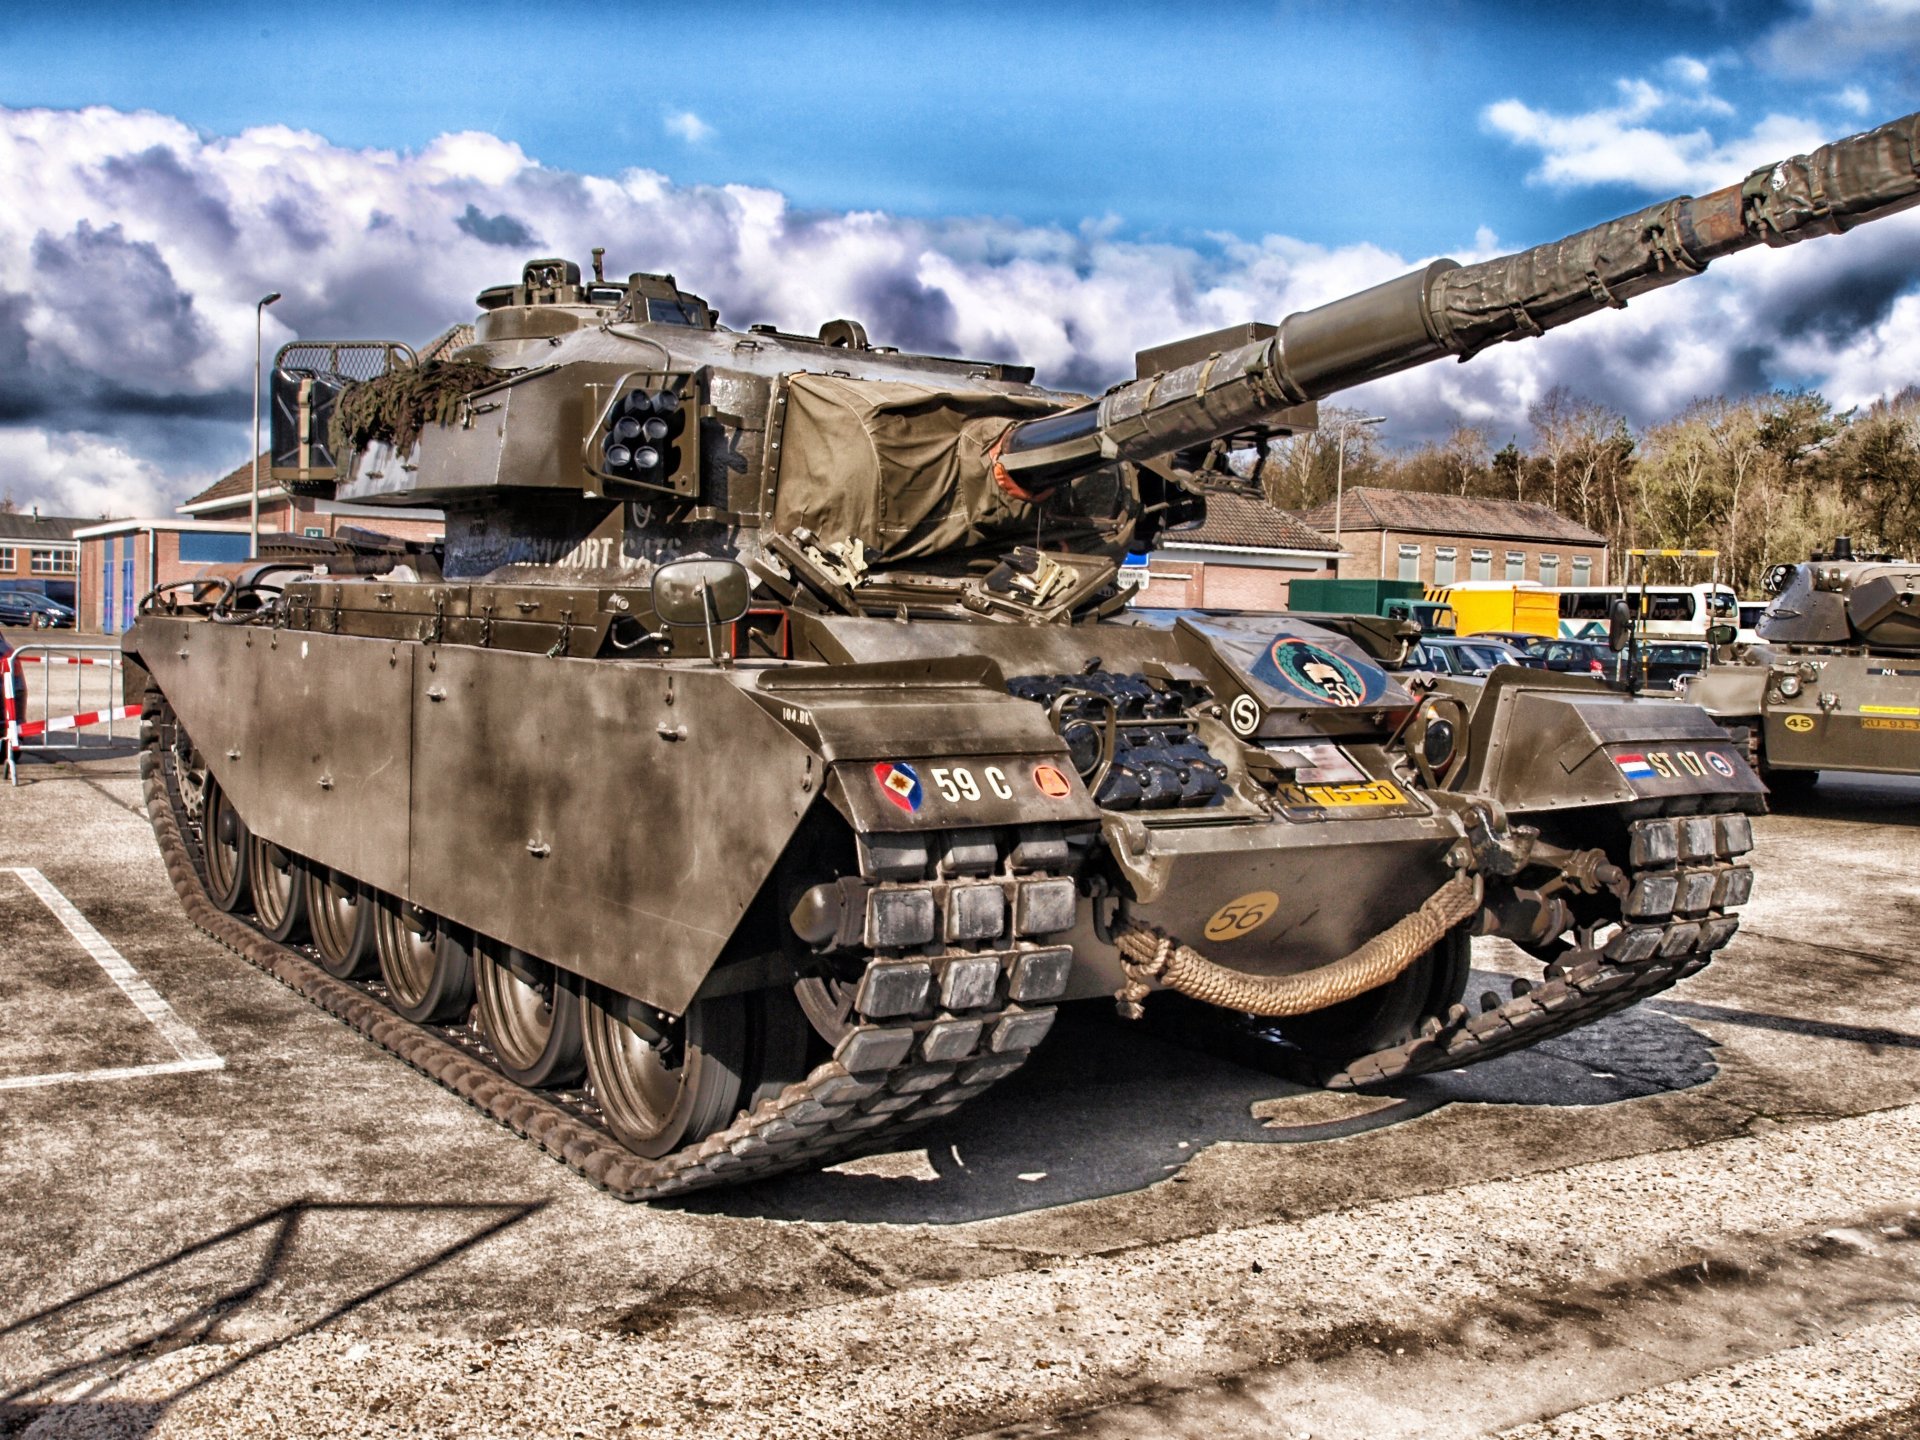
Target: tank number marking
{"x": 957, "y": 785}
{"x": 791, "y": 716}
{"x": 1890, "y": 724}
{"x": 1800, "y": 724}
{"x": 1674, "y": 765}
{"x": 1241, "y": 917}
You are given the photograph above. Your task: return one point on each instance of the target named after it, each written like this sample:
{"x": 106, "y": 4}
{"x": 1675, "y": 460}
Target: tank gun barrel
{"x": 1453, "y": 309}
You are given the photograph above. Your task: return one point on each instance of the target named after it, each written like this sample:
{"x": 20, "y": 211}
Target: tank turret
{"x": 1840, "y": 599}
{"x": 597, "y": 427}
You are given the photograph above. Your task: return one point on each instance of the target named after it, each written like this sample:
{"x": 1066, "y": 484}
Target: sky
{"x": 1057, "y": 183}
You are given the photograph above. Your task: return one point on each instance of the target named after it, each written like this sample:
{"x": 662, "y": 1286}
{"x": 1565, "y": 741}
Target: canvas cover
{"x": 900, "y": 465}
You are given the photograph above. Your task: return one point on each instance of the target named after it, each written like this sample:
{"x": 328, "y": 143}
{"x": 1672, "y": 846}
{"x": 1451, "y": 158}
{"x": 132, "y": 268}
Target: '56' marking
{"x": 957, "y": 785}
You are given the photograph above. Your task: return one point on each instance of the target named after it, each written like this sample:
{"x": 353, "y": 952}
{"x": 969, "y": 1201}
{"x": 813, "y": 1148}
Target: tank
{"x": 768, "y": 753}
{"x": 1834, "y": 683}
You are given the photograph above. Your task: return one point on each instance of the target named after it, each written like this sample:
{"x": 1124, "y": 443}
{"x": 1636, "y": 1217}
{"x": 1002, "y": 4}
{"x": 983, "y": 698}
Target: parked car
{"x": 1573, "y": 657}
{"x": 23, "y": 607}
{"x": 1666, "y": 663}
{"x": 1450, "y": 655}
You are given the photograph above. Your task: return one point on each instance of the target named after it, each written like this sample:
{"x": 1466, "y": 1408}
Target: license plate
{"x": 1370, "y": 792}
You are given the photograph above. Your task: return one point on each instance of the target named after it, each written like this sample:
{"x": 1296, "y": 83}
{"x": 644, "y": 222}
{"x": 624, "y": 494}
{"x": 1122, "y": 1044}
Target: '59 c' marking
{"x": 958, "y": 787}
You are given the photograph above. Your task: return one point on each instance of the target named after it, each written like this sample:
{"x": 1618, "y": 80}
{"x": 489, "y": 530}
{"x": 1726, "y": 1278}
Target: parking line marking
{"x": 195, "y": 1054}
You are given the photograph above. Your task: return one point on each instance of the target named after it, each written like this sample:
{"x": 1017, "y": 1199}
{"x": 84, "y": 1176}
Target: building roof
{"x": 47, "y": 529}
{"x": 1240, "y": 522}
{"x": 457, "y": 337}
{"x": 236, "y": 484}
{"x": 139, "y": 526}
{"x": 1367, "y": 507}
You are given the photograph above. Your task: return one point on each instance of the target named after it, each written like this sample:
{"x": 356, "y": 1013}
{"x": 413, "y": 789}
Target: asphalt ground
{"x": 224, "y": 1214}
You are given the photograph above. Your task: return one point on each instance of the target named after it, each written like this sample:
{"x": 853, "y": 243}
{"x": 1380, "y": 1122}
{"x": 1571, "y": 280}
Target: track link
{"x": 879, "y": 1086}
{"x": 1685, "y": 881}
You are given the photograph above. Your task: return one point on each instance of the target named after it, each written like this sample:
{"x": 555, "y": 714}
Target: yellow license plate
{"x": 1368, "y": 792}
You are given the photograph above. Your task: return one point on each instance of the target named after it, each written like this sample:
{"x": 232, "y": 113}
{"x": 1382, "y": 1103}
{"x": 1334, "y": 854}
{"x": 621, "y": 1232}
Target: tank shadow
{"x": 1879, "y": 799}
{"x": 234, "y": 1286}
{"x": 1105, "y": 1109}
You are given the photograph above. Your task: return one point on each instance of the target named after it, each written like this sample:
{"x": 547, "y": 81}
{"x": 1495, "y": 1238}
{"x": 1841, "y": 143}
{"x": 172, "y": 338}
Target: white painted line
{"x": 194, "y": 1053}
{"x": 120, "y": 1072}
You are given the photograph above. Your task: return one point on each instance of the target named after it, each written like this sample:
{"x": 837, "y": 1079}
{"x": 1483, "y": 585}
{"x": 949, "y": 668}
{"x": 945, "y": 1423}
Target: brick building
{"x": 39, "y": 554}
{"x": 120, "y": 560}
{"x": 1449, "y": 539}
{"x": 230, "y": 498}
{"x": 1242, "y": 557}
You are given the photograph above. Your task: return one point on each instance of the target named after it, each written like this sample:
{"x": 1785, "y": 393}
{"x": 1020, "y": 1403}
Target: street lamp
{"x": 1347, "y": 422}
{"x": 253, "y": 525}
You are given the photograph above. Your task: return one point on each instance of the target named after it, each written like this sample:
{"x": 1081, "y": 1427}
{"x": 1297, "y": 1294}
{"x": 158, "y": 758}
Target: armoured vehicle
{"x": 768, "y": 754}
{"x": 1834, "y": 682}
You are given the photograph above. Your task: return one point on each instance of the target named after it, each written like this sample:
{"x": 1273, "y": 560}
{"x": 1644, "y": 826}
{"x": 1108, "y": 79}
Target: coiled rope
{"x": 1149, "y": 955}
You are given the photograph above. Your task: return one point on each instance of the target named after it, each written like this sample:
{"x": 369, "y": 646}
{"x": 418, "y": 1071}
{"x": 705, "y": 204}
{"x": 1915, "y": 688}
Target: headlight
{"x": 1437, "y": 743}
{"x": 1789, "y": 685}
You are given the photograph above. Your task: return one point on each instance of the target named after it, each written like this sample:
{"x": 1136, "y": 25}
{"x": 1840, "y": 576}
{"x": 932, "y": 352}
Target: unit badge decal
{"x": 1301, "y": 668}
{"x": 900, "y": 783}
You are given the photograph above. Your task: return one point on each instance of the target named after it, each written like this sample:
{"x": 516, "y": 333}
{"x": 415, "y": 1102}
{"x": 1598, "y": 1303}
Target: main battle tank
{"x": 769, "y": 752}
{"x": 1835, "y": 682}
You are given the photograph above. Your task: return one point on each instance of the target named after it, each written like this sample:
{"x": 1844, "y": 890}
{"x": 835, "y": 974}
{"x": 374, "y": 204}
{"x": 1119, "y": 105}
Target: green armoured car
{"x": 1834, "y": 682}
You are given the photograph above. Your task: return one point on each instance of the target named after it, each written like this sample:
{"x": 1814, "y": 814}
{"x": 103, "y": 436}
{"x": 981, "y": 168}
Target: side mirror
{"x": 1619, "y": 625}
{"x": 708, "y": 593}
{"x": 1721, "y": 634}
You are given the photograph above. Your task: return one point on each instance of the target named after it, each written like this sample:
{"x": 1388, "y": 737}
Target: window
{"x": 1443, "y": 558}
{"x": 1409, "y": 562}
{"x": 1482, "y": 562}
{"x": 6, "y": 558}
{"x": 1516, "y": 566}
{"x": 211, "y": 548}
{"x": 1550, "y": 570}
{"x": 1582, "y": 569}
{"x": 50, "y": 562}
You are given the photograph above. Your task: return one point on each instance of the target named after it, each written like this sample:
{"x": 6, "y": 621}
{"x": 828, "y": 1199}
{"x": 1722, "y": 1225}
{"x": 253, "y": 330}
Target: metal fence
{"x": 27, "y": 710}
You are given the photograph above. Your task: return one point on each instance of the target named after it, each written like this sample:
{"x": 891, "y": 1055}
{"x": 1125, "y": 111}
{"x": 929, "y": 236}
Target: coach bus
{"x": 1673, "y": 612}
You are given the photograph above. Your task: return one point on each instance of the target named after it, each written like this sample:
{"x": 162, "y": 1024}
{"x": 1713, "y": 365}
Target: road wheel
{"x": 224, "y": 843}
{"x": 1390, "y": 1015}
{"x": 340, "y": 920}
{"x": 427, "y": 964}
{"x": 664, "y": 1083}
{"x": 530, "y": 1013}
{"x": 279, "y": 899}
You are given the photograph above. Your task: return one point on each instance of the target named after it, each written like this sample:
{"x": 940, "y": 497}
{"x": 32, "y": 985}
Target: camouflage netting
{"x": 898, "y": 465}
{"x": 396, "y": 407}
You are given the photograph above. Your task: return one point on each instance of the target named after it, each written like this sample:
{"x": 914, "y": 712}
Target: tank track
{"x": 879, "y": 1086}
{"x": 1685, "y": 880}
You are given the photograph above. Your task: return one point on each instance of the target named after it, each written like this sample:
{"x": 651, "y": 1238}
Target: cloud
{"x": 133, "y": 249}
{"x": 1835, "y": 37}
{"x": 494, "y": 229}
{"x": 1652, "y": 138}
{"x": 688, "y": 126}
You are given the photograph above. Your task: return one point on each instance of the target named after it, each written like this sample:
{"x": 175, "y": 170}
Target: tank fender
{"x": 1558, "y": 748}
{"x": 1730, "y": 692}
{"x": 927, "y": 745}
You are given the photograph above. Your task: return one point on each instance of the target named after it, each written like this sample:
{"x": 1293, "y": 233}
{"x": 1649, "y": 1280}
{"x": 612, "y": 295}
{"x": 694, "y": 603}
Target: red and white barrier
{"x": 74, "y": 722}
{"x": 15, "y": 727}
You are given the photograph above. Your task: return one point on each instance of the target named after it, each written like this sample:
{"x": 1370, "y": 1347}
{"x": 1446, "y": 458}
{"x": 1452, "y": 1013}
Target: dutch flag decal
{"x": 1635, "y": 767}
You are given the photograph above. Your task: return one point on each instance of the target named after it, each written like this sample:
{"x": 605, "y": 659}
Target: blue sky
{"x": 1058, "y": 183}
{"x": 1334, "y": 122}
